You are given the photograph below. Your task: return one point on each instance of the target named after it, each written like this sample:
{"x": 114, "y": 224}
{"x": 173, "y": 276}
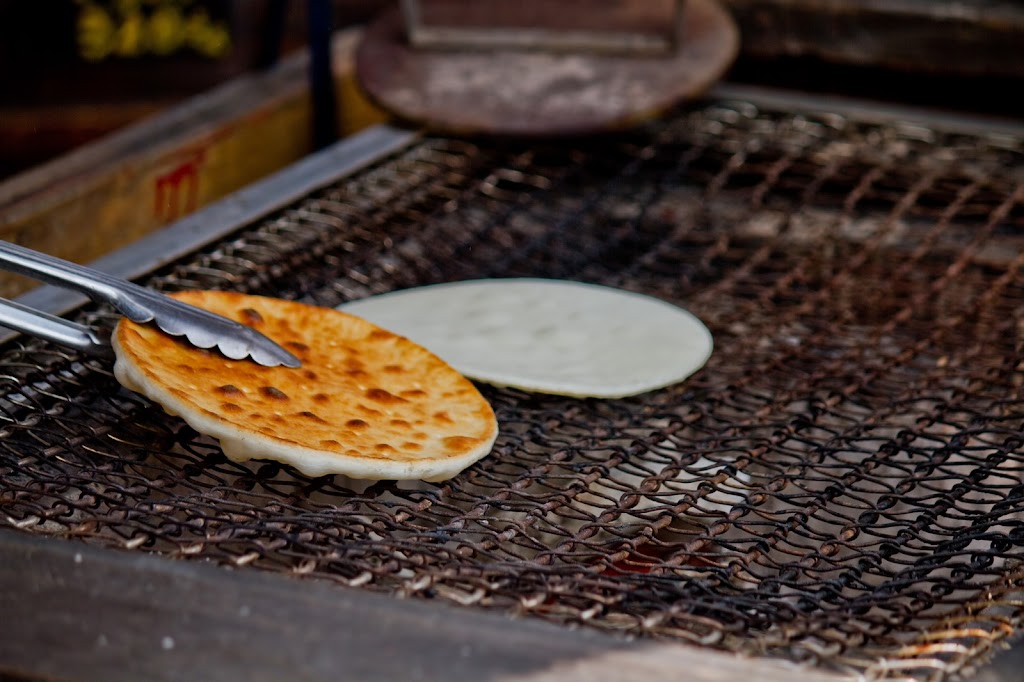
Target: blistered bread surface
{"x": 366, "y": 402}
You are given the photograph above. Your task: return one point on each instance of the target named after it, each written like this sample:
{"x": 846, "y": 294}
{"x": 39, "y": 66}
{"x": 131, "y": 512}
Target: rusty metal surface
{"x": 622, "y": 26}
{"x": 841, "y": 485}
{"x": 514, "y": 92}
{"x": 956, "y": 37}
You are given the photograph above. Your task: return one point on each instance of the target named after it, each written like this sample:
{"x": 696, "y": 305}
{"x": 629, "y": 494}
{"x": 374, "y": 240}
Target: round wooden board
{"x": 541, "y": 94}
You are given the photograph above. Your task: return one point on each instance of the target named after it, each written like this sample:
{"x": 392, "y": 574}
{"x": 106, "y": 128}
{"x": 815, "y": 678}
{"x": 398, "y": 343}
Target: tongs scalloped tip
{"x": 268, "y": 354}
{"x": 201, "y": 328}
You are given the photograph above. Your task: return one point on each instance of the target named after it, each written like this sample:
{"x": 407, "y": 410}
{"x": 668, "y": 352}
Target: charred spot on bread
{"x": 273, "y": 393}
{"x": 251, "y": 317}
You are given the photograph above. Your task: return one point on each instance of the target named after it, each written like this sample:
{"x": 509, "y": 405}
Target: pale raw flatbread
{"x": 365, "y": 403}
{"x": 549, "y": 336}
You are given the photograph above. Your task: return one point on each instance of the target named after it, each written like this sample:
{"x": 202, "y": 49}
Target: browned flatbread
{"x": 366, "y": 402}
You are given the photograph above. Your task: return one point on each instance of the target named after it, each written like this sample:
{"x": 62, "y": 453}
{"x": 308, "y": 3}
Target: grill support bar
{"x": 72, "y": 611}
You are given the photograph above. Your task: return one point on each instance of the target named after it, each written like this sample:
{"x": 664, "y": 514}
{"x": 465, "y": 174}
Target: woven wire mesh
{"x": 842, "y": 484}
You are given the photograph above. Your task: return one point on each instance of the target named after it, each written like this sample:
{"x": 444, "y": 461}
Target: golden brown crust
{"x": 366, "y": 402}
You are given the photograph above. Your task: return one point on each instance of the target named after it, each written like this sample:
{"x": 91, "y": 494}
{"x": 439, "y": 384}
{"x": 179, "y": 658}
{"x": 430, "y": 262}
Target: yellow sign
{"x": 135, "y": 28}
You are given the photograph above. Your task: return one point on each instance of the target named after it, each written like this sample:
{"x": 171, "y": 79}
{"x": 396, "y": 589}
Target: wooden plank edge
{"x": 128, "y": 184}
{"x": 170, "y": 129}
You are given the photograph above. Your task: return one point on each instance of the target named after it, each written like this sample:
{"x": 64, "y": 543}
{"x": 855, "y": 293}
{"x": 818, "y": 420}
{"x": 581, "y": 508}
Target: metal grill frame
{"x": 208, "y": 226}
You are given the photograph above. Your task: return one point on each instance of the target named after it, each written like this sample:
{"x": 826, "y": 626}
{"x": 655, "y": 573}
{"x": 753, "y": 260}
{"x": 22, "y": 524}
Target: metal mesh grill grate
{"x": 842, "y": 484}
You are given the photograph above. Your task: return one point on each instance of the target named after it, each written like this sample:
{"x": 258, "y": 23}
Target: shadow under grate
{"x": 841, "y": 484}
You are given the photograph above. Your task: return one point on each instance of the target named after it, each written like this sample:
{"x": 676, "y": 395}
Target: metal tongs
{"x": 201, "y": 328}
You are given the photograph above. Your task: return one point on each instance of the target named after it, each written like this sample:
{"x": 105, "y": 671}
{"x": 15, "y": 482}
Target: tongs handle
{"x": 202, "y": 328}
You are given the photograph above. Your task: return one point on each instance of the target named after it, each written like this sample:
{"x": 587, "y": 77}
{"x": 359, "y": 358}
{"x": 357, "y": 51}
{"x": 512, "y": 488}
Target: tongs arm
{"x": 202, "y": 328}
{"x": 55, "y": 329}
{"x": 97, "y": 285}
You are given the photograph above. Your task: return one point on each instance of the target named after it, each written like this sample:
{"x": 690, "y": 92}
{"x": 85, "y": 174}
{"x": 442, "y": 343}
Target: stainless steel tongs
{"x": 202, "y": 328}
